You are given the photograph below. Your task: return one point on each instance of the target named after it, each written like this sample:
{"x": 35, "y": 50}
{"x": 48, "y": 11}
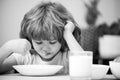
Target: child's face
{"x": 47, "y": 49}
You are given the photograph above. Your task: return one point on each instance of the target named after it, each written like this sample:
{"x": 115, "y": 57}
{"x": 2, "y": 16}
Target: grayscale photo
{"x": 59, "y": 39}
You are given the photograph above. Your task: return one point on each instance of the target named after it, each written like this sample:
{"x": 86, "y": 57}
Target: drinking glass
{"x": 80, "y": 65}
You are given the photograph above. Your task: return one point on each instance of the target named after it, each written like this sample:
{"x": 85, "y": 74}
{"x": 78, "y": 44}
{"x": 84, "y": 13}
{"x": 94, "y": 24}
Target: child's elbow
{"x": 3, "y": 70}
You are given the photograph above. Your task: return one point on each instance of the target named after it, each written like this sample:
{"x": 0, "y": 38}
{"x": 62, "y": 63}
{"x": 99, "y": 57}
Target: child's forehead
{"x": 52, "y": 38}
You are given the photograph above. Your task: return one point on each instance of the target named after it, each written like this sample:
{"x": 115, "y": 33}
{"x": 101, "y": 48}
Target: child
{"x": 48, "y": 33}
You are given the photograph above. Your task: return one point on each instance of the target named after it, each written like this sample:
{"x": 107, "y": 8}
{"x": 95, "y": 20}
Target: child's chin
{"x": 49, "y": 58}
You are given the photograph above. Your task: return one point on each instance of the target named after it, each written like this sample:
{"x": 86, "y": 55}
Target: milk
{"x": 80, "y": 65}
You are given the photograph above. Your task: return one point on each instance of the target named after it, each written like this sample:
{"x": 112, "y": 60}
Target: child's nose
{"x": 46, "y": 48}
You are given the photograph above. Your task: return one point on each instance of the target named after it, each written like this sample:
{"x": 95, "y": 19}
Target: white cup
{"x": 80, "y": 65}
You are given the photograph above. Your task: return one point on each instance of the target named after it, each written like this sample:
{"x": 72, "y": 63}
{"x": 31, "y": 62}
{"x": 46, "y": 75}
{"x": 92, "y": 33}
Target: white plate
{"x": 35, "y": 70}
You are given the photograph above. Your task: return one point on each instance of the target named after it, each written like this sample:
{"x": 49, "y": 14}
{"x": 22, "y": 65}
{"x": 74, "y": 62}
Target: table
{"x": 55, "y": 77}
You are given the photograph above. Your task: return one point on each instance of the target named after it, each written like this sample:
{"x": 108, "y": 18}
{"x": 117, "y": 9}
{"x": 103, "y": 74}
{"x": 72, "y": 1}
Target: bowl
{"x": 115, "y": 68}
{"x": 38, "y": 70}
{"x": 99, "y": 71}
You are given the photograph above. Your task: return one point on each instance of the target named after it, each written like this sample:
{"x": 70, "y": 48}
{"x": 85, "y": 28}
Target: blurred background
{"x": 99, "y": 21}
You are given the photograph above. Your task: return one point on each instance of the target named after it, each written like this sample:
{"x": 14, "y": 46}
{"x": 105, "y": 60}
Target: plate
{"x": 36, "y": 70}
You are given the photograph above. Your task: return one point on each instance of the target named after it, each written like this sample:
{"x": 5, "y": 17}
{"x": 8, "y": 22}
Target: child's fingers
{"x": 69, "y": 26}
{"x": 68, "y": 21}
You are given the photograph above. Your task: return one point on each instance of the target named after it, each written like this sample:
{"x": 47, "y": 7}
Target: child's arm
{"x": 71, "y": 41}
{"x": 6, "y": 59}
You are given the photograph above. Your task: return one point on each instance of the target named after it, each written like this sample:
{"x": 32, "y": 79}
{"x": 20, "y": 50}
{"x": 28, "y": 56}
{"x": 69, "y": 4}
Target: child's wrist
{"x": 67, "y": 33}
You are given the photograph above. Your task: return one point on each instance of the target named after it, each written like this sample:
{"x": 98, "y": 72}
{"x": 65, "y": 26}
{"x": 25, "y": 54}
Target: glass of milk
{"x": 80, "y": 65}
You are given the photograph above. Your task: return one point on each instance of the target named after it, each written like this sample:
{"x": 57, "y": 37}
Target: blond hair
{"x": 47, "y": 20}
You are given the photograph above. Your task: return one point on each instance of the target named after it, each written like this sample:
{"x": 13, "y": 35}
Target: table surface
{"x": 54, "y": 77}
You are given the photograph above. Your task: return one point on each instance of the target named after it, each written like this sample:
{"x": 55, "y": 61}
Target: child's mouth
{"x": 45, "y": 53}
{"x": 47, "y": 56}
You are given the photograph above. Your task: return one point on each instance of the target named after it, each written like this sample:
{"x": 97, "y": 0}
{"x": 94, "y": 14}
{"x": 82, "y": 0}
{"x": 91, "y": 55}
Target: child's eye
{"x": 40, "y": 42}
{"x": 53, "y": 42}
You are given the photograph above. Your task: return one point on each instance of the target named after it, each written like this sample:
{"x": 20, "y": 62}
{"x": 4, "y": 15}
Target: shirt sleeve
{"x": 23, "y": 59}
{"x": 19, "y": 58}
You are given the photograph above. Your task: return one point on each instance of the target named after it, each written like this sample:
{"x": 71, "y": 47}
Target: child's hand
{"x": 18, "y": 45}
{"x": 117, "y": 59}
{"x": 69, "y": 26}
